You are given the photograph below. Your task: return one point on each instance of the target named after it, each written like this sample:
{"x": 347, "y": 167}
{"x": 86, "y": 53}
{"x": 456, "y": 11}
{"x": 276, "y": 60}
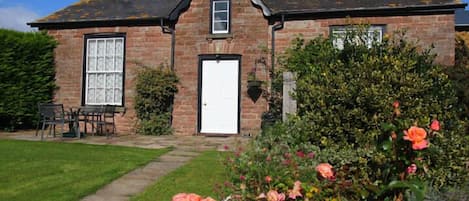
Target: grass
{"x": 199, "y": 176}
{"x": 62, "y": 171}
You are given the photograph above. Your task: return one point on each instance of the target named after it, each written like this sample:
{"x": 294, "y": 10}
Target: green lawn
{"x": 199, "y": 176}
{"x": 63, "y": 171}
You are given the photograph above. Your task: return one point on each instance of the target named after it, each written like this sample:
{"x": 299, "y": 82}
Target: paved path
{"x": 185, "y": 148}
{"x": 136, "y": 181}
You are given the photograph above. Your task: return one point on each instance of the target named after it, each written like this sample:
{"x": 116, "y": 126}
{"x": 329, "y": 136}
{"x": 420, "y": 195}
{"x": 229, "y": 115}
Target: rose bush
{"x": 376, "y": 148}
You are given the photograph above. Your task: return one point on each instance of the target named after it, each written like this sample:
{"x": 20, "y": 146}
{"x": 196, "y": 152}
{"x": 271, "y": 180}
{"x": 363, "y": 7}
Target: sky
{"x": 14, "y": 14}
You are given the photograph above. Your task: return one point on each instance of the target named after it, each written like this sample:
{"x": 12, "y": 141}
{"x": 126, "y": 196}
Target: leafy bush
{"x": 459, "y": 74}
{"x": 358, "y": 108}
{"x": 345, "y": 94}
{"x": 154, "y": 100}
{"x": 26, "y": 78}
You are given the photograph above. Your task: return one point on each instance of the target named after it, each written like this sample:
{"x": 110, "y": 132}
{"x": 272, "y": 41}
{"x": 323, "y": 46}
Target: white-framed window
{"x": 371, "y": 34}
{"x": 104, "y": 70}
{"x": 220, "y": 16}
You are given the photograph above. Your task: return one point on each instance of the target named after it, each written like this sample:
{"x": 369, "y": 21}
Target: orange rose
{"x": 187, "y": 197}
{"x": 417, "y": 136}
{"x": 325, "y": 170}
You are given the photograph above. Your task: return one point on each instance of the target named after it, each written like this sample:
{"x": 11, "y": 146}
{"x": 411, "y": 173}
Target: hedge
{"x": 26, "y": 78}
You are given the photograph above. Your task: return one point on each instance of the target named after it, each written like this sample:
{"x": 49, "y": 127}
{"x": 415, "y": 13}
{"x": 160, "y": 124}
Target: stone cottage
{"x": 213, "y": 45}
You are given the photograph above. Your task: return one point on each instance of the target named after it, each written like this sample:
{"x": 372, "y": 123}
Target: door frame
{"x": 215, "y": 57}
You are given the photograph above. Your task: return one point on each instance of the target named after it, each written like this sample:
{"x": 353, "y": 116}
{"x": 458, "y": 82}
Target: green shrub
{"x": 345, "y": 94}
{"x": 154, "y": 100}
{"x": 459, "y": 74}
{"x": 26, "y": 78}
{"x": 347, "y": 118}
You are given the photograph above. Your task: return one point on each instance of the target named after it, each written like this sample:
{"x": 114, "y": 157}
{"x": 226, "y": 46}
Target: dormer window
{"x": 220, "y": 17}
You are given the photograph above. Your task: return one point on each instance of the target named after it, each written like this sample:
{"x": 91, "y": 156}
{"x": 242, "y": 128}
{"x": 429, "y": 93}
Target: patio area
{"x": 188, "y": 143}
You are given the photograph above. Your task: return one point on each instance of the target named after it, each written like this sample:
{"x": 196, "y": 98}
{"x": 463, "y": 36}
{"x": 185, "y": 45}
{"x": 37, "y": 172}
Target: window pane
{"x": 109, "y": 96}
{"x": 109, "y": 81}
{"x": 119, "y": 47}
{"x": 221, "y": 16}
{"x": 91, "y": 64}
{"x": 109, "y": 63}
{"x": 92, "y": 48}
{"x": 109, "y": 47}
{"x": 221, "y": 5}
{"x": 118, "y": 81}
{"x": 100, "y": 64}
{"x": 118, "y": 96}
{"x": 119, "y": 64}
{"x": 100, "y": 95}
{"x": 100, "y": 80}
{"x": 91, "y": 81}
{"x": 220, "y": 26}
{"x": 101, "y": 47}
{"x": 91, "y": 96}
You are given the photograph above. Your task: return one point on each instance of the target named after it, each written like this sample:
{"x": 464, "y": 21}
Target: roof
{"x": 114, "y": 10}
{"x": 278, "y": 7}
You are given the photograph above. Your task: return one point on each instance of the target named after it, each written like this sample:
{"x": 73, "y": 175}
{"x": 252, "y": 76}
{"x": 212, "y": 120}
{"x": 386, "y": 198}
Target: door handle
{"x": 205, "y": 104}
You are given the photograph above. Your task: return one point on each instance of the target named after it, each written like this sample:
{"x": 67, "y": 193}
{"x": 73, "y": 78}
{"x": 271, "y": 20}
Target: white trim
{"x": 227, "y": 21}
{"x": 106, "y": 72}
{"x": 337, "y": 32}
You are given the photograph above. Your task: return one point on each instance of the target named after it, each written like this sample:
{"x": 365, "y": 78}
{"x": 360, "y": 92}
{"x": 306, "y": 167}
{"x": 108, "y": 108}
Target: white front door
{"x": 219, "y": 97}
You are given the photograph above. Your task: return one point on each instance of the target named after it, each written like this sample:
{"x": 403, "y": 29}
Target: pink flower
{"x": 325, "y": 170}
{"x": 261, "y": 196}
{"x": 295, "y": 192}
{"x": 412, "y": 169}
{"x": 311, "y": 155}
{"x": 287, "y": 155}
{"x": 435, "y": 125}
{"x": 242, "y": 177}
{"x": 187, "y": 197}
{"x": 179, "y": 197}
{"x": 268, "y": 158}
{"x": 395, "y": 104}
{"x": 268, "y": 179}
{"x": 208, "y": 199}
{"x": 273, "y": 195}
{"x": 417, "y": 136}
{"x": 300, "y": 154}
{"x": 226, "y": 147}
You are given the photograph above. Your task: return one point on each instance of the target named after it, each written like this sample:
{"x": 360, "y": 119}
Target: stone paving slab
{"x": 137, "y": 180}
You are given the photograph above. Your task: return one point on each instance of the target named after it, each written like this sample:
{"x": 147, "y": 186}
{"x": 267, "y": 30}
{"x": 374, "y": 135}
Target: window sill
{"x": 228, "y": 36}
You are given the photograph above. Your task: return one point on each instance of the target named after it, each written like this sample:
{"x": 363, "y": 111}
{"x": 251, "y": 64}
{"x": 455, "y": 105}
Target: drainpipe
{"x": 275, "y": 27}
{"x": 170, "y": 30}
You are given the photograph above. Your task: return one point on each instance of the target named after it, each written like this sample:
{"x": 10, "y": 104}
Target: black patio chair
{"x": 107, "y": 122}
{"x": 51, "y": 115}
{"x": 91, "y": 114}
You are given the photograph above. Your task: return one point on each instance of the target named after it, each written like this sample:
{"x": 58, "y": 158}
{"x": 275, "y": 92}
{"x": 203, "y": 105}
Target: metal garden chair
{"x": 51, "y": 115}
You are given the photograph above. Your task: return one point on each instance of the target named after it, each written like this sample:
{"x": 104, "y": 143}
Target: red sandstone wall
{"x": 147, "y": 45}
{"x": 426, "y": 29}
{"x": 249, "y": 29}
